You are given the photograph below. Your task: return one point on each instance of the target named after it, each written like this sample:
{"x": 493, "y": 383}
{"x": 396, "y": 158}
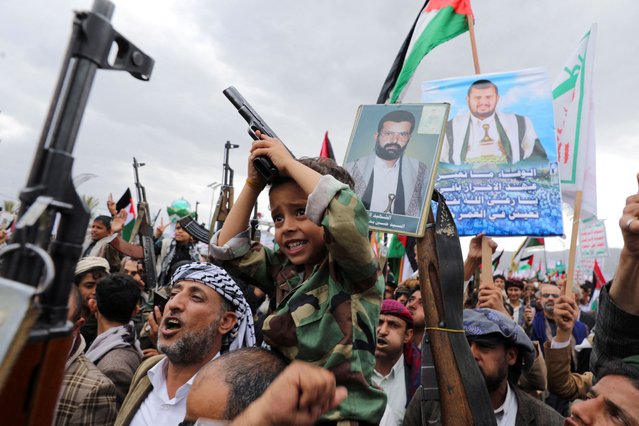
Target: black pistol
{"x": 263, "y": 165}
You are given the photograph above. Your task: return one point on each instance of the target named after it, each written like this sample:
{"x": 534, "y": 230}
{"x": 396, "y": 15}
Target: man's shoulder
{"x": 125, "y": 358}
{"x": 533, "y": 411}
{"x": 83, "y": 372}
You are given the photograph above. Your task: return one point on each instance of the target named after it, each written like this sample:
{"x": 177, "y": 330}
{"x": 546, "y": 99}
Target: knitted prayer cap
{"x": 482, "y": 322}
{"x": 396, "y": 309}
{"x": 90, "y": 262}
{"x": 243, "y": 333}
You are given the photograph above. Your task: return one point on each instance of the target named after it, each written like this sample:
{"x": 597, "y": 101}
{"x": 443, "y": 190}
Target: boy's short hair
{"x": 105, "y": 220}
{"x": 323, "y": 166}
{"x": 117, "y": 296}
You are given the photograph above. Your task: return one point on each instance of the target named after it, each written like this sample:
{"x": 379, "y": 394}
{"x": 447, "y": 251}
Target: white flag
{"x": 574, "y": 123}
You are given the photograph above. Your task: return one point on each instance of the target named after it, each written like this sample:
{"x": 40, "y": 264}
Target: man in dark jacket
{"x": 502, "y": 351}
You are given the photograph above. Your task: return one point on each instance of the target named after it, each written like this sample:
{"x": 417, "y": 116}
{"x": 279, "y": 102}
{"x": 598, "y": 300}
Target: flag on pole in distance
{"x": 598, "y": 279}
{"x": 526, "y": 262}
{"x": 496, "y": 260}
{"x": 528, "y": 243}
{"x": 437, "y": 22}
{"x": 126, "y": 202}
{"x": 327, "y": 149}
{"x": 574, "y": 125}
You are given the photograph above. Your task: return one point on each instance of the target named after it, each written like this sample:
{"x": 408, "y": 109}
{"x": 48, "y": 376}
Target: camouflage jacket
{"x": 330, "y": 318}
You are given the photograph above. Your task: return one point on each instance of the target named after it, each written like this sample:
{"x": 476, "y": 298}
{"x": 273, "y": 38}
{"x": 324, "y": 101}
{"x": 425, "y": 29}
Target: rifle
{"x": 36, "y": 265}
{"x": 256, "y": 234}
{"x": 449, "y": 371}
{"x": 226, "y": 198}
{"x": 145, "y": 230}
{"x": 263, "y": 165}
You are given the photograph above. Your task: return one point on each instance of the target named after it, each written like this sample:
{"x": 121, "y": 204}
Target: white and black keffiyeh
{"x": 243, "y": 334}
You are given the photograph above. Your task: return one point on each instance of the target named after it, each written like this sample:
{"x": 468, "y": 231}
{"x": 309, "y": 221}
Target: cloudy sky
{"x": 304, "y": 66}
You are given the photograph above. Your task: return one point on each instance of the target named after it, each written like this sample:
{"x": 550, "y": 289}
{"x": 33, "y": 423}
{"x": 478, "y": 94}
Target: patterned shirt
{"x": 88, "y": 396}
{"x": 330, "y": 318}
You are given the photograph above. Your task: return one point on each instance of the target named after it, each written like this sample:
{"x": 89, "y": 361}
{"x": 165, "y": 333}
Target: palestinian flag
{"x": 327, "y": 149}
{"x": 526, "y": 262}
{"x": 496, "y": 260}
{"x": 438, "y": 22}
{"x": 529, "y": 242}
{"x": 598, "y": 279}
{"x": 126, "y": 202}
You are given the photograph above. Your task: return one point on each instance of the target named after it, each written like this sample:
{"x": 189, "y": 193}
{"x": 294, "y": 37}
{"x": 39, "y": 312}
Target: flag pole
{"x": 473, "y": 43}
{"x": 573, "y": 245}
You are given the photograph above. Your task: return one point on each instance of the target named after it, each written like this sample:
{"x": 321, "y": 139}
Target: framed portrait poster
{"x": 393, "y": 156}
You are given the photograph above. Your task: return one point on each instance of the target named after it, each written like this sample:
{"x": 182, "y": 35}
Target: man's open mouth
{"x": 171, "y": 324}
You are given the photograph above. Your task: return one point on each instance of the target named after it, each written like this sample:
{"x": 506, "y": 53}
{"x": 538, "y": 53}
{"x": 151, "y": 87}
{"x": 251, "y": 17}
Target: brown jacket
{"x": 560, "y": 380}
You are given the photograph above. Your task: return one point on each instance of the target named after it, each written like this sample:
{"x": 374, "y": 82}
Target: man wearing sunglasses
{"x": 544, "y": 321}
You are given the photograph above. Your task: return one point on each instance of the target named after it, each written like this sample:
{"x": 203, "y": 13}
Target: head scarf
{"x": 243, "y": 333}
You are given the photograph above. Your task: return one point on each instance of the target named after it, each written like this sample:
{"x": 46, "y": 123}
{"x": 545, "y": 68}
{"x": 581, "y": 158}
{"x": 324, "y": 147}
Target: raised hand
{"x": 111, "y": 205}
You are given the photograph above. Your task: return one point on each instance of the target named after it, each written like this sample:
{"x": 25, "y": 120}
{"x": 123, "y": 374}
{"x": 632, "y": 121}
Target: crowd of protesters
{"x": 338, "y": 343}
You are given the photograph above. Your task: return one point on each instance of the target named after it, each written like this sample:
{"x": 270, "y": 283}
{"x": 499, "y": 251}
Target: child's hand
{"x": 274, "y": 149}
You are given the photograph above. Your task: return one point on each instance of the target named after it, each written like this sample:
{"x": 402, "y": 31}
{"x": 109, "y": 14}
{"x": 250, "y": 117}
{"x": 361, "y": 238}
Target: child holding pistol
{"x": 324, "y": 276}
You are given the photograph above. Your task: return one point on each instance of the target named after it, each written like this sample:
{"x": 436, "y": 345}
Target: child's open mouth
{"x": 295, "y": 246}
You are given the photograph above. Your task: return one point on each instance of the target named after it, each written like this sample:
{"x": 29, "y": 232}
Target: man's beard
{"x": 483, "y": 115}
{"x": 192, "y": 347}
{"x": 494, "y": 381}
{"x": 385, "y": 153}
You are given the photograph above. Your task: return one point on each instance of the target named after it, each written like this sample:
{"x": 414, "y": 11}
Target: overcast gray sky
{"x": 305, "y": 67}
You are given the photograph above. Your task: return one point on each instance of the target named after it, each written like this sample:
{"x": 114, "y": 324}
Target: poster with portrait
{"x": 498, "y": 165}
{"x": 393, "y": 156}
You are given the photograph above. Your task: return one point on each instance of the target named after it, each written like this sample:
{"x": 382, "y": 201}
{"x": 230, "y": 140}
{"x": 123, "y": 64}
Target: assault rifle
{"x": 225, "y": 201}
{"x": 36, "y": 265}
{"x": 263, "y": 165}
{"x": 145, "y": 230}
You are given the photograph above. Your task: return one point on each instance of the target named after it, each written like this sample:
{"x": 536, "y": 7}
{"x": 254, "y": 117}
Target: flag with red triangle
{"x": 327, "y": 149}
{"x": 126, "y": 202}
{"x": 598, "y": 279}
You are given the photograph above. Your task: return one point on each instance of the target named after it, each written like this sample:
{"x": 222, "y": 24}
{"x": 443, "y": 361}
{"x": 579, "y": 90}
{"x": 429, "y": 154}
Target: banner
{"x": 593, "y": 244}
{"x": 574, "y": 118}
{"x": 498, "y": 165}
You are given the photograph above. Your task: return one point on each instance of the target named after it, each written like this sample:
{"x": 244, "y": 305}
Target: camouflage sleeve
{"x": 345, "y": 220}
{"x": 251, "y": 262}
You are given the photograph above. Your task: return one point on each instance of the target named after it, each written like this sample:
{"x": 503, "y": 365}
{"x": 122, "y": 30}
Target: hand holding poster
{"x": 498, "y": 166}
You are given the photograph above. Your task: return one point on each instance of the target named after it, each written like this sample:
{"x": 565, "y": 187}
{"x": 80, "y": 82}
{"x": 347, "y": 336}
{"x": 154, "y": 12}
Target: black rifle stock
{"x": 145, "y": 230}
{"x": 263, "y": 165}
{"x": 29, "y": 393}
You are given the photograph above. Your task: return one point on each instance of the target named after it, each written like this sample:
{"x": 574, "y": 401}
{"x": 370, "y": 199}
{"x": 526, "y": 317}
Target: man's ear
{"x": 375, "y": 135}
{"x": 511, "y": 355}
{"x": 408, "y": 336}
{"x": 93, "y": 306}
{"x": 227, "y": 322}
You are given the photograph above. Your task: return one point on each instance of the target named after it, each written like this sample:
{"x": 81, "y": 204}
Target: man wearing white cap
{"x": 206, "y": 315}
{"x": 87, "y": 272}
